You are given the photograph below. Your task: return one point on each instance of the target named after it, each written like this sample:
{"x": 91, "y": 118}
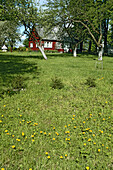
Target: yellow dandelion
{"x": 101, "y": 131}
{"x": 65, "y": 126}
{"x": 73, "y": 118}
{"x": 87, "y": 168}
{"x": 74, "y": 127}
{"x": 94, "y": 143}
{"x": 0, "y": 121}
{"x": 41, "y": 132}
{"x": 23, "y": 134}
{"x": 18, "y": 140}
{"x": 32, "y": 136}
{"x": 7, "y": 133}
{"x": 66, "y": 139}
{"x": 30, "y": 168}
{"x": 49, "y": 134}
{"x": 106, "y": 102}
{"x": 13, "y": 136}
{"x": 89, "y": 139}
{"x": 84, "y": 144}
{"x": 2, "y": 116}
{"x": 102, "y": 144}
{"x": 48, "y": 157}
{"x": 84, "y": 122}
{"x": 73, "y": 115}
{"x": 53, "y": 138}
{"x": 44, "y": 133}
{"x": 94, "y": 119}
{"x": 103, "y": 118}
{"x": 98, "y": 150}
{"x": 93, "y": 134}
{"x": 61, "y": 157}
{"x": 106, "y": 147}
{"x": 2, "y": 168}
{"x": 23, "y": 120}
{"x": 90, "y": 130}
{"x": 33, "y": 140}
{"x": 83, "y": 133}
{"x": 53, "y": 128}
{"x": 6, "y": 130}
{"x": 68, "y": 124}
{"x": 13, "y": 146}
{"x": 46, "y": 153}
{"x": 4, "y": 105}
{"x": 20, "y": 122}
{"x": 65, "y": 155}
{"x": 20, "y": 115}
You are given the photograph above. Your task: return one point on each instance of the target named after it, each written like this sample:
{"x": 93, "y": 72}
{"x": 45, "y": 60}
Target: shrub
{"x": 18, "y": 83}
{"x": 56, "y": 83}
{"x": 90, "y": 82}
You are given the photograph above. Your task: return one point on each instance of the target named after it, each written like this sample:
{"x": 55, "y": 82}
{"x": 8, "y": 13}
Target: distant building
{"x": 48, "y": 42}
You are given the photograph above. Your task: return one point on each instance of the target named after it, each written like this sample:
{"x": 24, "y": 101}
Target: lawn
{"x": 61, "y": 116}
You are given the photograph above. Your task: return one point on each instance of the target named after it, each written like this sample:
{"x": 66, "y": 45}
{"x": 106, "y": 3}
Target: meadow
{"x": 55, "y": 114}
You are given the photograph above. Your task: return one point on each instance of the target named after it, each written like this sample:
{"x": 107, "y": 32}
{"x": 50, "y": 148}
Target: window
{"x": 36, "y": 45}
{"x": 31, "y": 45}
{"x": 48, "y": 44}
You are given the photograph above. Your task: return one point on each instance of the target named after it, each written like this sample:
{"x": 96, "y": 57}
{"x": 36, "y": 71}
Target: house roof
{"x": 48, "y": 35}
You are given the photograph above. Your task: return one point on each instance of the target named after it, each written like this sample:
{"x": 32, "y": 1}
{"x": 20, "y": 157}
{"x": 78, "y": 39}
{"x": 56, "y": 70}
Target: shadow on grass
{"x": 12, "y": 65}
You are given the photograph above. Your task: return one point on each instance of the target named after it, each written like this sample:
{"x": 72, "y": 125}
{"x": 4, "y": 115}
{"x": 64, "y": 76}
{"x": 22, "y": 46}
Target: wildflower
{"x": 46, "y": 153}
{"x": 41, "y": 132}
{"x": 13, "y": 136}
{"x": 103, "y": 118}
{"x": 44, "y": 133}
{"x": 30, "y": 168}
{"x": 48, "y": 157}
{"x": 0, "y": 121}
{"x": 2, "y": 168}
{"x": 2, "y": 116}
{"x": 7, "y": 133}
{"x": 73, "y": 118}
{"x": 109, "y": 117}
{"x": 89, "y": 139}
{"x": 23, "y": 120}
{"x": 20, "y": 115}
{"x": 23, "y": 134}
{"x": 83, "y": 133}
{"x": 102, "y": 144}
{"x": 68, "y": 124}
{"x": 84, "y": 144}
{"x": 18, "y": 140}
{"x": 33, "y": 140}
{"x": 74, "y": 127}
{"x": 6, "y": 130}
{"x": 94, "y": 143}
{"x": 73, "y": 115}
{"x": 83, "y": 121}
{"x": 90, "y": 130}
{"x": 53, "y": 138}
{"x": 93, "y": 134}
{"x": 53, "y": 128}
{"x": 32, "y": 136}
{"x": 13, "y": 146}
{"x": 65, "y": 126}
{"x": 106, "y": 102}
{"x": 101, "y": 131}
{"x": 98, "y": 150}
{"x": 61, "y": 157}
{"x": 4, "y": 105}
{"x": 49, "y": 134}
{"x": 65, "y": 155}
{"x": 106, "y": 147}
{"x": 94, "y": 119}
{"x": 66, "y": 139}
{"x": 87, "y": 168}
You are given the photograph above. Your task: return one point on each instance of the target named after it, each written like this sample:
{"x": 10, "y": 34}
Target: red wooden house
{"x": 49, "y": 42}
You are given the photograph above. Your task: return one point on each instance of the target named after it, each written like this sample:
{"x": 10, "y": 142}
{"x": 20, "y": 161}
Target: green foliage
{"x": 57, "y": 83}
{"x": 26, "y": 42}
{"x": 90, "y": 82}
{"x": 22, "y": 49}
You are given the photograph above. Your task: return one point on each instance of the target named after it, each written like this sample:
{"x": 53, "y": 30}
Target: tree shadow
{"x": 13, "y": 65}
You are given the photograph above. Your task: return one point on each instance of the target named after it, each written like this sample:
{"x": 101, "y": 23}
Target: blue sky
{"x": 22, "y": 27}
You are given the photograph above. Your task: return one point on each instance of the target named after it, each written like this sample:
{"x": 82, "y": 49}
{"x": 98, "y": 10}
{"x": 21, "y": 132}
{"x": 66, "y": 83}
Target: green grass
{"x": 45, "y": 128}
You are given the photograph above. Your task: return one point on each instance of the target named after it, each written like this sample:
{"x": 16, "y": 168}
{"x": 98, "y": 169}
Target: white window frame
{"x": 48, "y": 44}
{"x": 31, "y": 45}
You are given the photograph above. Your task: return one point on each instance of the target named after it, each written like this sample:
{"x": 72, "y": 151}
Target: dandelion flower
{"x": 46, "y": 153}
{"x": 103, "y": 118}
{"x": 106, "y": 147}
{"x": 93, "y": 134}
{"x": 94, "y": 143}
{"x": 101, "y": 131}
{"x": 98, "y": 150}
{"x": 32, "y": 136}
{"x": 83, "y": 121}
{"x": 44, "y": 133}
{"x": 84, "y": 144}
{"x": 33, "y": 140}
{"x": 90, "y": 130}
{"x": 20, "y": 115}
{"x": 41, "y": 132}
{"x": 49, "y": 134}
{"x": 61, "y": 157}
{"x": 53, "y": 138}
{"x": 30, "y": 168}
{"x": 106, "y": 102}
{"x": 6, "y": 130}
{"x": 23, "y": 134}
{"x": 4, "y": 105}
{"x": 102, "y": 144}
{"x": 53, "y": 128}
{"x": 72, "y": 118}
{"x": 87, "y": 168}
{"x": 13, "y": 136}
{"x": 89, "y": 139}
{"x": 48, "y": 157}
{"x": 2, "y": 168}
{"x": 65, "y": 155}
{"x": 83, "y": 133}
{"x": 65, "y": 126}
{"x": 13, "y": 146}
{"x": 0, "y": 121}
{"x": 2, "y": 116}
{"x": 68, "y": 124}
{"x": 74, "y": 127}
{"x": 73, "y": 115}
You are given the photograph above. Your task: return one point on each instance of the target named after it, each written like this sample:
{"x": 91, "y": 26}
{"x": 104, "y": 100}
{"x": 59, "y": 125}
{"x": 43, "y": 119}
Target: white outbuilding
{"x": 4, "y": 48}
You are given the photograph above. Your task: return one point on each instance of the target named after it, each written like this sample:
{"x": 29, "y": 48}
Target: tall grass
{"x": 56, "y": 128}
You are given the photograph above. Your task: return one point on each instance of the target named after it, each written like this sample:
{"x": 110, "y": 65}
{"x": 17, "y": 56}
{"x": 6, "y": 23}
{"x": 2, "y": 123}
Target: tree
{"x": 26, "y": 42}
{"x": 24, "y": 12}
{"x": 88, "y": 13}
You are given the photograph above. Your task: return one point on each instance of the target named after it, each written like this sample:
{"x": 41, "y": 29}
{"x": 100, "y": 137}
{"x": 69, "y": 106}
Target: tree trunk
{"x": 81, "y": 46}
{"x": 89, "y": 49}
{"x": 100, "y": 53}
{"x": 42, "y": 51}
{"x": 75, "y": 52}
{"x": 11, "y": 48}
